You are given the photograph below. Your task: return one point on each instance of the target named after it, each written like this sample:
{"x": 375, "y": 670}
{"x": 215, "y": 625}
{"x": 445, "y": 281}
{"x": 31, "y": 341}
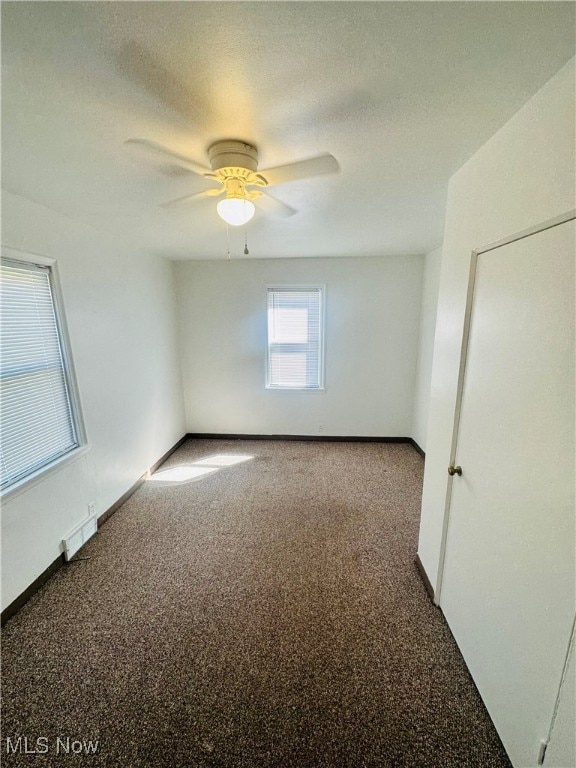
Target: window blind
{"x": 37, "y": 424}
{"x": 295, "y": 338}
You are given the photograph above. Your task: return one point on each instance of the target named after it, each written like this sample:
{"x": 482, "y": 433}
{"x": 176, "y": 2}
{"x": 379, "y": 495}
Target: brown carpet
{"x": 267, "y": 615}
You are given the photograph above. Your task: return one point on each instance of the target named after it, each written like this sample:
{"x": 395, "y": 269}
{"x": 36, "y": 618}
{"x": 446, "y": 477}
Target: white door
{"x": 508, "y": 590}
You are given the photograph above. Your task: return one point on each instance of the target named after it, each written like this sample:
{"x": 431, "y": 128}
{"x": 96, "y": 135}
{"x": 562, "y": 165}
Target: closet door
{"x": 508, "y": 588}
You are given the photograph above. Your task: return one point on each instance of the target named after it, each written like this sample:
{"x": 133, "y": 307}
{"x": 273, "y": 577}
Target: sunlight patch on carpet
{"x": 181, "y": 474}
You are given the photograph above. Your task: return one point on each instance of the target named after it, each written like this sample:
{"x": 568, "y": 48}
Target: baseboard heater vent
{"x": 78, "y": 536}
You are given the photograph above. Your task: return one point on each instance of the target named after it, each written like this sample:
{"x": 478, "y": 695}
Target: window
{"x": 295, "y": 332}
{"x": 39, "y": 425}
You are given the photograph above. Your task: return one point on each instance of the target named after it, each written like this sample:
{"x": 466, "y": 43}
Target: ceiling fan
{"x": 234, "y": 167}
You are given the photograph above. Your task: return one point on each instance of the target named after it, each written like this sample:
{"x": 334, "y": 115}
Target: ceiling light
{"x": 235, "y": 210}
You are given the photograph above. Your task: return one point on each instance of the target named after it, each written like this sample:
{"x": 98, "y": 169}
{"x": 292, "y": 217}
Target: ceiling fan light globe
{"x": 235, "y": 211}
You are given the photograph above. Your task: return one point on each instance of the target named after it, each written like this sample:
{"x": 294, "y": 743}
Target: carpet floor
{"x": 266, "y": 615}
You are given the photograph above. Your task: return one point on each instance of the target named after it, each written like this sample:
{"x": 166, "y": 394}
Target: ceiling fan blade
{"x": 270, "y": 205}
{"x": 304, "y": 169}
{"x": 158, "y": 149}
{"x": 194, "y": 196}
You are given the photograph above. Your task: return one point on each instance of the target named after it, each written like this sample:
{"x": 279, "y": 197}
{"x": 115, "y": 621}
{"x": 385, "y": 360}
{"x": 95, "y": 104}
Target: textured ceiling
{"x": 401, "y": 93}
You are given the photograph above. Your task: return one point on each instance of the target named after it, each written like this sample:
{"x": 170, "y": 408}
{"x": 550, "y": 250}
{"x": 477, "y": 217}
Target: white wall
{"x": 430, "y": 285}
{"x": 120, "y": 312}
{"x": 523, "y": 175}
{"x": 372, "y": 321}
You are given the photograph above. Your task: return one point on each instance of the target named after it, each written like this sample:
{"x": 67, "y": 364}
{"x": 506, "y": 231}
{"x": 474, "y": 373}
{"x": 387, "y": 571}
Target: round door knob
{"x": 452, "y": 470}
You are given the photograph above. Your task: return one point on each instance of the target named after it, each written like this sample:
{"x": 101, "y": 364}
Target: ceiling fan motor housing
{"x": 235, "y": 164}
{"x": 233, "y": 154}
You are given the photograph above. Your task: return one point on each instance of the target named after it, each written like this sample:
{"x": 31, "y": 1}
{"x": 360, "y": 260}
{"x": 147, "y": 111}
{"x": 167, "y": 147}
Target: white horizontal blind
{"x": 295, "y": 338}
{"x": 37, "y": 421}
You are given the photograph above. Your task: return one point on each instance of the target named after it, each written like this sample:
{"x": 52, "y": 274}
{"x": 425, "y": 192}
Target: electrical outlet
{"x": 320, "y": 427}
{"x": 91, "y": 508}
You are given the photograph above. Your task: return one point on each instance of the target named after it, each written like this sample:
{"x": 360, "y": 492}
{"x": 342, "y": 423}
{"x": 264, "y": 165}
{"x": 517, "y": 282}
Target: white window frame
{"x": 321, "y": 287}
{"x": 83, "y": 446}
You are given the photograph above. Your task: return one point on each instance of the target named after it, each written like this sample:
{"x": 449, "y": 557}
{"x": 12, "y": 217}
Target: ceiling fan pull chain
{"x": 228, "y": 239}
{"x": 246, "y": 251}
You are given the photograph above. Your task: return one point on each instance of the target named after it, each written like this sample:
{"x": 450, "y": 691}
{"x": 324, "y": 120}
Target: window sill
{"x": 299, "y": 390}
{"x": 42, "y": 474}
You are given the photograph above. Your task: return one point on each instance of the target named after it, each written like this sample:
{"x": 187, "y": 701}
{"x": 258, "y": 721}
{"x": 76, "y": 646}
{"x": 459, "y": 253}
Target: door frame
{"x": 534, "y": 230}
{"x": 563, "y": 681}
